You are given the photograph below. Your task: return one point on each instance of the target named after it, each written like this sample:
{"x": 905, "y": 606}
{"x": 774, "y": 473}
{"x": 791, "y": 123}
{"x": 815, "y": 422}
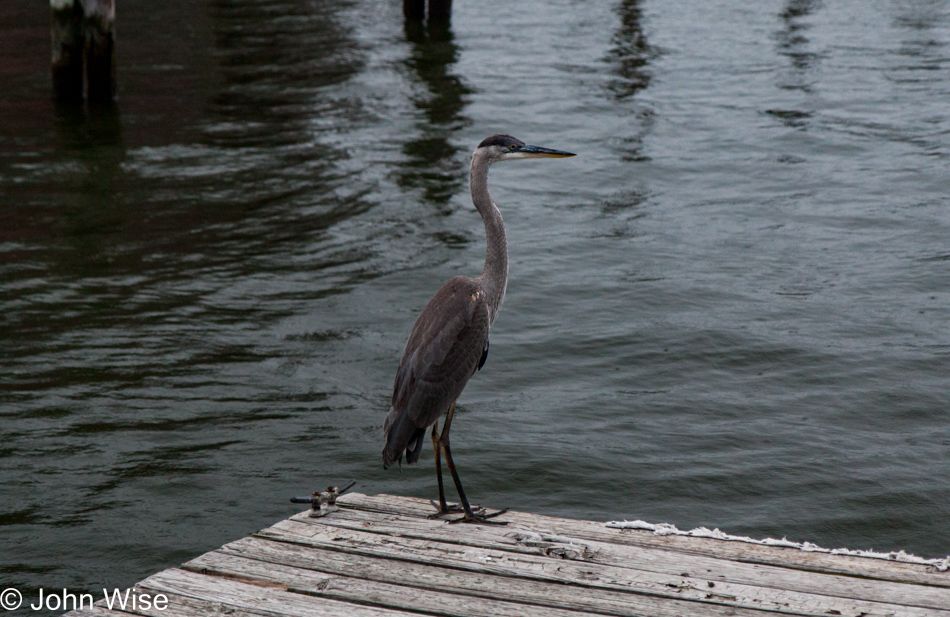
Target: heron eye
{"x": 512, "y": 147}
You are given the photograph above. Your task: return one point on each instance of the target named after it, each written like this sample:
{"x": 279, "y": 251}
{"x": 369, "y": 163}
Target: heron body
{"x": 449, "y": 340}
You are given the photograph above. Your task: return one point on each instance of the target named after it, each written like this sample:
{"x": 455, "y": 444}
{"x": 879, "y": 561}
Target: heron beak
{"x": 537, "y": 152}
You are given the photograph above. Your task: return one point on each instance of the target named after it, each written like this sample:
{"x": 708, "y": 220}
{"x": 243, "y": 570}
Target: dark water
{"x": 730, "y": 310}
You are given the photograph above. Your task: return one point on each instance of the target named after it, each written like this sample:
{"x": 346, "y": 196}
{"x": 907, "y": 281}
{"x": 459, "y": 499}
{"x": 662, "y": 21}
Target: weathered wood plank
{"x": 735, "y": 551}
{"x": 181, "y": 606}
{"x": 365, "y": 591}
{"x": 95, "y": 611}
{"x": 428, "y": 576}
{"x": 710, "y": 589}
{"x": 271, "y": 598}
{"x": 520, "y": 540}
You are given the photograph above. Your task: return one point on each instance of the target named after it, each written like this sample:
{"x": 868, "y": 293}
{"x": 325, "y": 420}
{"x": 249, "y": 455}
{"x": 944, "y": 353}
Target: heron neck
{"x": 494, "y": 276}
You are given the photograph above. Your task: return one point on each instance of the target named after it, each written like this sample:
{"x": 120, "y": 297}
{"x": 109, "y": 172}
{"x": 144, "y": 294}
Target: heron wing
{"x": 444, "y": 350}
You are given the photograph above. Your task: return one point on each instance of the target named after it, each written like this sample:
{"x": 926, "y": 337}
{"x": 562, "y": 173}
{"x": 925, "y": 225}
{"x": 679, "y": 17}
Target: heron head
{"x": 508, "y": 148}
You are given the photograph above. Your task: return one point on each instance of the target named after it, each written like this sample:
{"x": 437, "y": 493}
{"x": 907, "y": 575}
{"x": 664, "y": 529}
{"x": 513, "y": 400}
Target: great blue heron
{"x": 449, "y": 340}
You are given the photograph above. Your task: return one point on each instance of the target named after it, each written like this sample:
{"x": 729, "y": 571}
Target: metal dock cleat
{"x": 324, "y": 503}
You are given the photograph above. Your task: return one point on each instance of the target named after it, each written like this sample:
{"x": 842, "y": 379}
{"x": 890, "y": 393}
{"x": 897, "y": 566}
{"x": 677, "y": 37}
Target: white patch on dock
{"x": 666, "y": 529}
{"x": 59, "y": 5}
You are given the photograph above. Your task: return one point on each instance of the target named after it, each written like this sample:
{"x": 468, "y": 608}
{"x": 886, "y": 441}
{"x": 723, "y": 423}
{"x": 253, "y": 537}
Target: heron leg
{"x": 469, "y": 516}
{"x": 443, "y": 506}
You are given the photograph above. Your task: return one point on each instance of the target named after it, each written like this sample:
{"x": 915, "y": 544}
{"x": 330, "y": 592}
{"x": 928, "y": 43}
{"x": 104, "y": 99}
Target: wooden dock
{"x": 380, "y": 557}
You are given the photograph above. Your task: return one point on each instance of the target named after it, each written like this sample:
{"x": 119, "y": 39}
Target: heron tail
{"x": 402, "y": 435}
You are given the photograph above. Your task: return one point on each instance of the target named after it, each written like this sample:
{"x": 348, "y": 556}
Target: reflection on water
{"x": 794, "y": 44}
{"x": 276, "y": 59}
{"x": 729, "y": 310}
{"x": 925, "y": 37}
{"x": 433, "y": 162}
{"x": 630, "y": 56}
{"x": 803, "y": 69}
{"x": 630, "y": 53}
{"x": 143, "y": 261}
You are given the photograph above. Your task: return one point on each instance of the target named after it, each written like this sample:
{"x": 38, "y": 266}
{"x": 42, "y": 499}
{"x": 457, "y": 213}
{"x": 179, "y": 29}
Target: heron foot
{"x": 451, "y": 508}
{"x": 480, "y": 518}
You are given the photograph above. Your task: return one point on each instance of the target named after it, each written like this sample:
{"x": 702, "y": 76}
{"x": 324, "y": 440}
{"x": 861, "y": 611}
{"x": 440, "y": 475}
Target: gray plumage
{"x": 445, "y": 348}
{"x": 449, "y": 340}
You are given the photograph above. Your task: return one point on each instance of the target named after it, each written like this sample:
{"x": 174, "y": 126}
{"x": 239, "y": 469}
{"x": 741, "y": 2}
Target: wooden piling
{"x": 67, "y": 50}
{"x": 99, "y": 26}
{"x": 414, "y": 9}
{"x": 382, "y": 556}
{"x": 82, "y": 34}
{"x": 440, "y": 11}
